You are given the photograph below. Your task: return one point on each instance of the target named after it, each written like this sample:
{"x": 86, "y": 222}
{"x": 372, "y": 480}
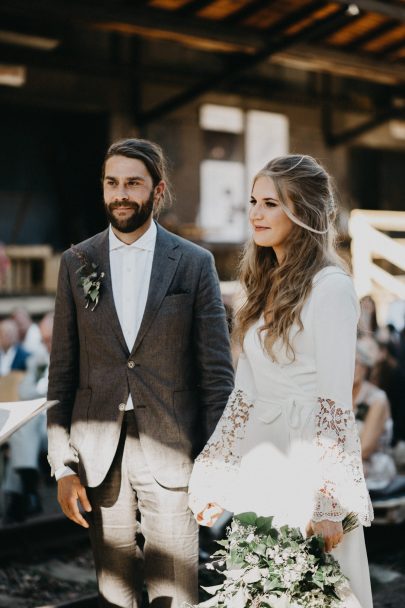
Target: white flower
{"x": 252, "y": 559}
{"x": 209, "y": 566}
{"x": 250, "y": 538}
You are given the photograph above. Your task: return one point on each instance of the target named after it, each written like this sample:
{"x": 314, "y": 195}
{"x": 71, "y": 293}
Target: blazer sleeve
{"x": 211, "y": 347}
{"x": 63, "y": 371}
{"x": 342, "y": 488}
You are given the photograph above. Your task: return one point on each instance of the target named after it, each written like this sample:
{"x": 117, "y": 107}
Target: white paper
{"x": 16, "y": 413}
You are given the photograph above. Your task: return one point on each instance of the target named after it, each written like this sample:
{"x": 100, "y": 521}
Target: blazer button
{"x": 121, "y": 407}
{"x": 131, "y": 364}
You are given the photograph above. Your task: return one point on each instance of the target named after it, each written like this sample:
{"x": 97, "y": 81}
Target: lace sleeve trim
{"x": 343, "y": 488}
{"x": 216, "y": 468}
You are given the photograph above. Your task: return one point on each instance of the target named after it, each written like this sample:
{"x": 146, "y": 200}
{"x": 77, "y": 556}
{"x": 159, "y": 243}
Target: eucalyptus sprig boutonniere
{"x": 89, "y": 279}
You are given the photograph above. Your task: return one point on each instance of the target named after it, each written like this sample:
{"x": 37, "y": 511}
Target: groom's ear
{"x": 159, "y": 191}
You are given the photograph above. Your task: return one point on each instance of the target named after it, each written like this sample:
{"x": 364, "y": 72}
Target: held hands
{"x": 331, "y": 532}
{"x": 209, "y": 515}
{"x": 70, "y": 490}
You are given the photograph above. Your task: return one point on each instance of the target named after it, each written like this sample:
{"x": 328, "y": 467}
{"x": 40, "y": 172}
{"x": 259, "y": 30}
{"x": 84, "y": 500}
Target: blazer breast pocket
{"x": 176, "y": 303}
{"x": 177, "y": 294}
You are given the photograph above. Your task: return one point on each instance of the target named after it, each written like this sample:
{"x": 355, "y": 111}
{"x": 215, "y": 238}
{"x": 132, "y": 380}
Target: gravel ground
{"x": 53, "y": 580}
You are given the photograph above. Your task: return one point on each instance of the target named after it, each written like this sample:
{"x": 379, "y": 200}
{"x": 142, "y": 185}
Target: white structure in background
{"x": 222, "y": 210}
{"x": 370, "y": 243}
{"x": 267, "y": 136}
{"x": 225, "y": 183}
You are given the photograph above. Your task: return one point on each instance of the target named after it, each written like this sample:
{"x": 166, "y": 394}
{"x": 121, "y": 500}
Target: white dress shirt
{"x": 131, "y": 267}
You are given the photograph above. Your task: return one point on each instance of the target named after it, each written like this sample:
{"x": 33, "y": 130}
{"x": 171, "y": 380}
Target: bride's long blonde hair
{"x": 279, "y": 291}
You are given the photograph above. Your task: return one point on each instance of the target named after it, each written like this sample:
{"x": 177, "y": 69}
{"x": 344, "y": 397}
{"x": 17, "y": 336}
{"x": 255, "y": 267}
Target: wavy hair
{"x": 280, "y": 291}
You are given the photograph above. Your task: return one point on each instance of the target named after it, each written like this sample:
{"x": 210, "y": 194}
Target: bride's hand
{"x": 331, "y": 532}
{"x": 209, "y": 515}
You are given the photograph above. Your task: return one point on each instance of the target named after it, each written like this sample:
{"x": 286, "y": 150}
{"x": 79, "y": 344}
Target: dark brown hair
{"x": 153, "y": 158}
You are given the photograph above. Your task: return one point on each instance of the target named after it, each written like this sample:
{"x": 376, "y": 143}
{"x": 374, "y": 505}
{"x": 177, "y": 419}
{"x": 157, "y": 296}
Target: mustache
{"x": 127, "y": 204}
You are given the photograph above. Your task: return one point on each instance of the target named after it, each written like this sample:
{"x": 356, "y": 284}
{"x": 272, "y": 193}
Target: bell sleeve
{"x": 342, "y": 487}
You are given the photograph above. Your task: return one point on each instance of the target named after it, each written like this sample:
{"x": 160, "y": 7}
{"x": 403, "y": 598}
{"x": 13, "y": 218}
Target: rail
{"x": 384, "y": 281}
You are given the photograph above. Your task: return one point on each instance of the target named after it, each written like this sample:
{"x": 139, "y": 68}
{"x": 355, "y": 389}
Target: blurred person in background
{"x": 4, "y": 265}
{"x": 373, "y": 418}
{"x": 21, "y": 483}
{"x": 29, "y": 333}
{"x": 388, "y": 375}
{"x": 13, "y": 356}
{"x": 368, "y": 316}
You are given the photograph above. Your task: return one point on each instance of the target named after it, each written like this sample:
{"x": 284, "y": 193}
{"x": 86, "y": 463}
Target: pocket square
{"x": 178, "y": 292}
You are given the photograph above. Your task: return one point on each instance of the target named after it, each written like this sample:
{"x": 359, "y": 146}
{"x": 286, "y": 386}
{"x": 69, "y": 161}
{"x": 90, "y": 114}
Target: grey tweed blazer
{"x": 179, "y": 371}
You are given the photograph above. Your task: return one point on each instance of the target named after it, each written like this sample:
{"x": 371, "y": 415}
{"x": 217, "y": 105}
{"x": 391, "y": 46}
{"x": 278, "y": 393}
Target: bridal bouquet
{"x": 266, "y": 567}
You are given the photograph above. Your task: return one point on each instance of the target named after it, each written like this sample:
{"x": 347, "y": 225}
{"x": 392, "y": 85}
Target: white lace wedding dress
{"x": 287, "y": 443}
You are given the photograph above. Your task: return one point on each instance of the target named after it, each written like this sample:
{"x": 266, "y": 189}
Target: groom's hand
{"x": 70, "y": 490}
{"x": 209, "y": 515}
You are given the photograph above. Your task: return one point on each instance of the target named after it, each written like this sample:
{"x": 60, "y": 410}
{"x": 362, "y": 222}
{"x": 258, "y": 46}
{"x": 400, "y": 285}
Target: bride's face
{"x": 270, "y": 224}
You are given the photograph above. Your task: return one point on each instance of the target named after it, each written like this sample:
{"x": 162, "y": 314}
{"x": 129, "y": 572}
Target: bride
{"x": 287, "y": 443}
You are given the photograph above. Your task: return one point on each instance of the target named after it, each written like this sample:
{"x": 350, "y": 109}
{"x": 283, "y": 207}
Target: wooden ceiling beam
{"x": 370, "y": 35}
{"x": 246, "y": 11}
{"x": 192, "y": 7}
{"x": 295, "y": 17}
{"x": 330, "y": 61}
{"x": 143, "y": 20}
{"x": 334, "y": 26}
{"x": 392, "y": 48}
{"x": 234, "y": 69}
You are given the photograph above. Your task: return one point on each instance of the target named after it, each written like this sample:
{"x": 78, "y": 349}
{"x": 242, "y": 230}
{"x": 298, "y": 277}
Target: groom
{"x": 142, "y": 370}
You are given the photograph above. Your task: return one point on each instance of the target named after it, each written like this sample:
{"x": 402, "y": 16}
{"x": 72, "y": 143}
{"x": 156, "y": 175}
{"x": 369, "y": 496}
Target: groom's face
{"x": 129, "y": 195}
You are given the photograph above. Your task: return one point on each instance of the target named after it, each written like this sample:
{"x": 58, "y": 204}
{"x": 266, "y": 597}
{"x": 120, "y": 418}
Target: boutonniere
{"x": 90, "y": 279}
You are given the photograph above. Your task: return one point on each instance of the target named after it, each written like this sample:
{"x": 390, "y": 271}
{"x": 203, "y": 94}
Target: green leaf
{"x": 223, "y": 543}
{"x": 246, "y": 519}
{"x": 264, "y": 525}
{"x": 271, "y": 540}
{"x": 271, "y": 584}
{"x": 260, "y": 549}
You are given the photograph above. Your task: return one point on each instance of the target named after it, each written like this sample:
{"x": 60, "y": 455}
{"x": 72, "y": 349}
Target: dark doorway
{"x": 50, "y": 164}
{"x": 377, "y": 178}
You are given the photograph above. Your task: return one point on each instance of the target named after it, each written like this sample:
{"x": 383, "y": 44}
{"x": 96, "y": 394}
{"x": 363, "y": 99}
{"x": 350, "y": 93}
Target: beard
{"x": 141, "y": 213}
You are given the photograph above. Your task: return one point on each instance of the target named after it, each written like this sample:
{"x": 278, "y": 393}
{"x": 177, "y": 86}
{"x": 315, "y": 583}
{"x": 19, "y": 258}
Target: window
{"x": 237, "y": 144}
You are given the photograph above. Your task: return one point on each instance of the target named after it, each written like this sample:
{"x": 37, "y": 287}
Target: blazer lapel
{"x": 106, "y": 306}
{"x": 165, "y": 261}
